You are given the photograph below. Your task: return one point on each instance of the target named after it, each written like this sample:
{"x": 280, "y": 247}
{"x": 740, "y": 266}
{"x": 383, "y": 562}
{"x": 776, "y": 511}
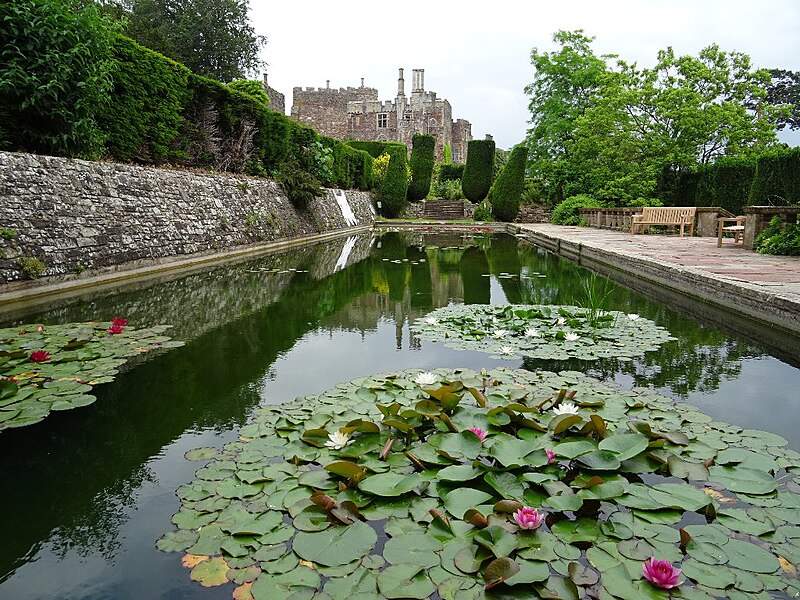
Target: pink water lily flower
{"x": 479, "y": 432}
{"x": 119, "y": 321}
{"x": 528, "y": 518}
{"x": 661, "y": 573}
{"x": 114, "y": 329}
{"x": 551, "y": 456}
{"x": 39, "y": 356}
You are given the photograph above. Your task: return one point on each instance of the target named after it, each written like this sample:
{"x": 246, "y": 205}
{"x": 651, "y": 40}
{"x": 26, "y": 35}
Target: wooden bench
{"x": 678, "y": 216}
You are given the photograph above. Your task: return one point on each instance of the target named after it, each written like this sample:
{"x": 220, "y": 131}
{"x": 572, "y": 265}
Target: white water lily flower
{"x": 532, "y": 332}
{"x": 338, "y": 440}
{"x": 571, "y": 337}
{"x": 561, "y": 321}
{"x": 425, "y": 378}
{"x": 506, "y": 350}
{"x": 431, "y": 320}
{"x": 499, "y": 333}
{"x": 565, "y": 408}
{"x": 633, "y": 316}
{"x": 494, "y": 319}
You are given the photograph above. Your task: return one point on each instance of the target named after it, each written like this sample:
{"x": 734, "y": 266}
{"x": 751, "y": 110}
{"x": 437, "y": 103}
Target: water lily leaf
{"x": 405, "y": 581}
{"x": 459, "y": 473}
{"x": 389, "y": 484}
{"x": 176, "y": 541}
{"x": 530, "y": 571}
{"x": 559, "y": 588}
{"x": 625, "y": 445}
{"x": 497, "y": 540}
{"x": 460, "y": 501}
{"x": 599, "y": 460}
{"x": 211, "y": 572}
{"x": 679, "y": 495}
{"x": 499, "y": 570}
{"x": 743, "y": 479}
{"x": 693, "y": 471}
{"x": 470, "y": 558}
{"x": 337, "y": 545}
{"x": 201, "y": 454}
{"x": 582, "y": 575}
{"x": 464, "y": 445}
{"x": 560, "y": 423}
{"x": 565, "y": 502}
{"x": 582, "y": 530}
{"x": 715, "y": 576}
{"x": 360, "y": 585}
{"x": 572, "y": 449}
{"x": 506, "y": 484}
{"x": 418, "y": 549}
{"x": 750, "y": 557}
{"x": 512, "y": 452}
{"x": 233, "y": 488}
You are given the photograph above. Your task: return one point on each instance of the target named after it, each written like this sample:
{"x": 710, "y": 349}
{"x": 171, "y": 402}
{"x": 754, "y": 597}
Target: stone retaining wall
{"x": 74, "y": 215}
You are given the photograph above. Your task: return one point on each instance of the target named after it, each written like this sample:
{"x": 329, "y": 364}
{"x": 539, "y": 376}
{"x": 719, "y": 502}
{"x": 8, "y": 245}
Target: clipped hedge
{"x": 505, "y": 194}
{"x": 477, "y": 177}
{"x": 566, "y": 213}
{"x": 393, "y": 190}
{"x": 144, "y": 115}
{"x": 451, "y": 172}
{"x": 725, "y": 183}
{"x": 422, "y": 147}
{"x": 777, "y": 178}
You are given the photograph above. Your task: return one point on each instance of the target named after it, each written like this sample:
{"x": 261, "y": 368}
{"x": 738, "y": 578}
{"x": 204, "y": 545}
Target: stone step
{"x": 444, "y": 210}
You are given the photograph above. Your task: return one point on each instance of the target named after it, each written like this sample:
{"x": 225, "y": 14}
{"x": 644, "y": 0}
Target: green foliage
{"x": 477, "y": 177}
{"x": 422, "y": 148}
{"x": 506, "y": 192}
{"x": 7, "y": 234}
{"x": 300, "y": 186}
{"x": 251, "y": 88}
{"x": 374, "y": 149}
{"x": 144, "y": 115}
{"x": 31, "y": 266}
{"x": 213, "y": 38}
{"x": 725, "y": 183}
{"x": 566, "y": 213}
{"x": 779, "y": 239}
{"x": 449, "y": 172}
{"x": 393, "y": 189}
{"x": 448, "y": 155}
{"x": 784, "y": 91}
{"x": 777, "y": 178}
{"x": 55, "y": 66}
{"x": 644, "y": 202}
{"x": 483, "y": 212}
{"x": 450, "y": 190}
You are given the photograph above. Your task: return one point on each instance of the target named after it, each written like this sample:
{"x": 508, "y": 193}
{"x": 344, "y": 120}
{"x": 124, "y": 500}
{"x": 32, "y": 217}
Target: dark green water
{"x": 87, "y": 492}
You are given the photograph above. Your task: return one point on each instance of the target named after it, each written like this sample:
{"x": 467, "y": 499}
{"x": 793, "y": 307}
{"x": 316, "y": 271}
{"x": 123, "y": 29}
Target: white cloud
{"x": 479, "y": 58}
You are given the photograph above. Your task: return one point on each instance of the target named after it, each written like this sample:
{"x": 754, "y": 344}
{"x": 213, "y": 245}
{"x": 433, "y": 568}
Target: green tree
{"x": 564, "y": 83}
{"x": 55, "y": 68}
{"x": 784, "y": 91}
{"x": 213, "y": 38}
{"x": 683, "y": 112}
{"x": 251, "y": 88}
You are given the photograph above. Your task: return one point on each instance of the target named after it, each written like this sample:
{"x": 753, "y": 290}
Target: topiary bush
{"x": 55, "y": 71}
{"x": 451, "y": 172}
{"x": 422, "y": 148}
{"x": 506, "y": 192}
{"x": 566, "y": 213}
{"x": 477, "y": 177}
{"x": 393, "y": 189}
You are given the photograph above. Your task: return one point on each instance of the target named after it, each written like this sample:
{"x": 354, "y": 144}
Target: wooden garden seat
{"x": 677, "y": 216}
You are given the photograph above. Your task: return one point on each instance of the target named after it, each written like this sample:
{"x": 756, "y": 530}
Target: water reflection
{"x": 95, "y": 486}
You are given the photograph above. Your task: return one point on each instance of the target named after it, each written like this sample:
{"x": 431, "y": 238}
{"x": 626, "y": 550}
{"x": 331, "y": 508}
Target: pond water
{"x": 87, "y": 492}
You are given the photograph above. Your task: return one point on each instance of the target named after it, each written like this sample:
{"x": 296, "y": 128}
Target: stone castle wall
{"x": 325, "y": 109}
{"x": 75, "y": 215}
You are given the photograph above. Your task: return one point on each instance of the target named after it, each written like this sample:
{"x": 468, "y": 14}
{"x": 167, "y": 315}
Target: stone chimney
{"x": 327, "y": 84}
{"x": 401, "y": 84}
{"x": 418, "y": 81}
{"x": 362, "y": 82}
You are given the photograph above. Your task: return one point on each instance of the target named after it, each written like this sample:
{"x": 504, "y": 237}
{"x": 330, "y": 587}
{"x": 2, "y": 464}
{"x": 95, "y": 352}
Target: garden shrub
{"x": 566, "y": 213}
{"x": 477, "y": 177}
{"x": 483, "y": 212}
{"x": 393, "y": 189}
{"x": 144, "y": 115}
{"x": 422, "y": 148}
{"x": 373, "y": 148}
{"x": 777, "y": 178}
{"x": 55, "y": 68}
{"x": 251, "y": 88}
{"x": 451, "y": 172}
{"x": 644, "y": 202}
{"x": 506, "y": 191}
{"x": 449, "y": 190}
{"x": 779, "y": 239}
{"x": 301, "y": 187}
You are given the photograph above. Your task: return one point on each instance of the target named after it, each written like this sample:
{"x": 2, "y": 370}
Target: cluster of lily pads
{"x": 55, "y": 367}
{"x": 507, "y": 483}
{"x": 542, "y": 331}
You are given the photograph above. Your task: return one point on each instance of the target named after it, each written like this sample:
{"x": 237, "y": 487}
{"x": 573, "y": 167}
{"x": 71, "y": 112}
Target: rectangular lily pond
{"x": 88, "y": 492}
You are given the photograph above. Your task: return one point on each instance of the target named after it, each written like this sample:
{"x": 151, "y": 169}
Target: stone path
{"x": 756, "y": 285}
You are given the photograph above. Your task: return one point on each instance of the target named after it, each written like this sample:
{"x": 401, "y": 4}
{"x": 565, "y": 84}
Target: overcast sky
{"x": 477, "y": 55}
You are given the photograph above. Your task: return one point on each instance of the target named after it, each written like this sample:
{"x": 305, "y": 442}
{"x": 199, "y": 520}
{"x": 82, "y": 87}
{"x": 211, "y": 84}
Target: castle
{"x": 357, "y": 114}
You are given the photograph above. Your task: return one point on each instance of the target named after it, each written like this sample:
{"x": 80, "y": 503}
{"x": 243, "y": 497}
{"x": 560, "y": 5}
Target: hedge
{"x": 777, "y": 178}
{"x": 505, "y": 194}
{"x": 477, "y": 177}
{"x": 451, "y": 172}
{"x": 161, "y": 111}
{"x": 422, "y": 147}
{"x": 392, "y": 193}
{"x": 725, "y": 183}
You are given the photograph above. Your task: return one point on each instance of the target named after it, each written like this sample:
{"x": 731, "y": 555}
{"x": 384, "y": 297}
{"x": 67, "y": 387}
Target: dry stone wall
{"x": 74, "y": 215}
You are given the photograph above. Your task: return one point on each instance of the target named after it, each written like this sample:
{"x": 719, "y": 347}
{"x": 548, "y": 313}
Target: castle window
{"x": 407, "y": 115}
{"x": 383, "y": 120}
{"x": 455, "y": 155}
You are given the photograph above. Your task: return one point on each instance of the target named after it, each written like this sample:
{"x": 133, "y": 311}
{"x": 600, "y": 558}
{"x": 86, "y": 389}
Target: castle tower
{"x": 418, "y": 81}
{"x": 401, "y": 93}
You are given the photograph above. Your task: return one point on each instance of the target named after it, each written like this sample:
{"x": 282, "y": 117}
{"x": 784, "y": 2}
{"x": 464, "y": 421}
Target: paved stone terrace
{"x": 758, "y": 286}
